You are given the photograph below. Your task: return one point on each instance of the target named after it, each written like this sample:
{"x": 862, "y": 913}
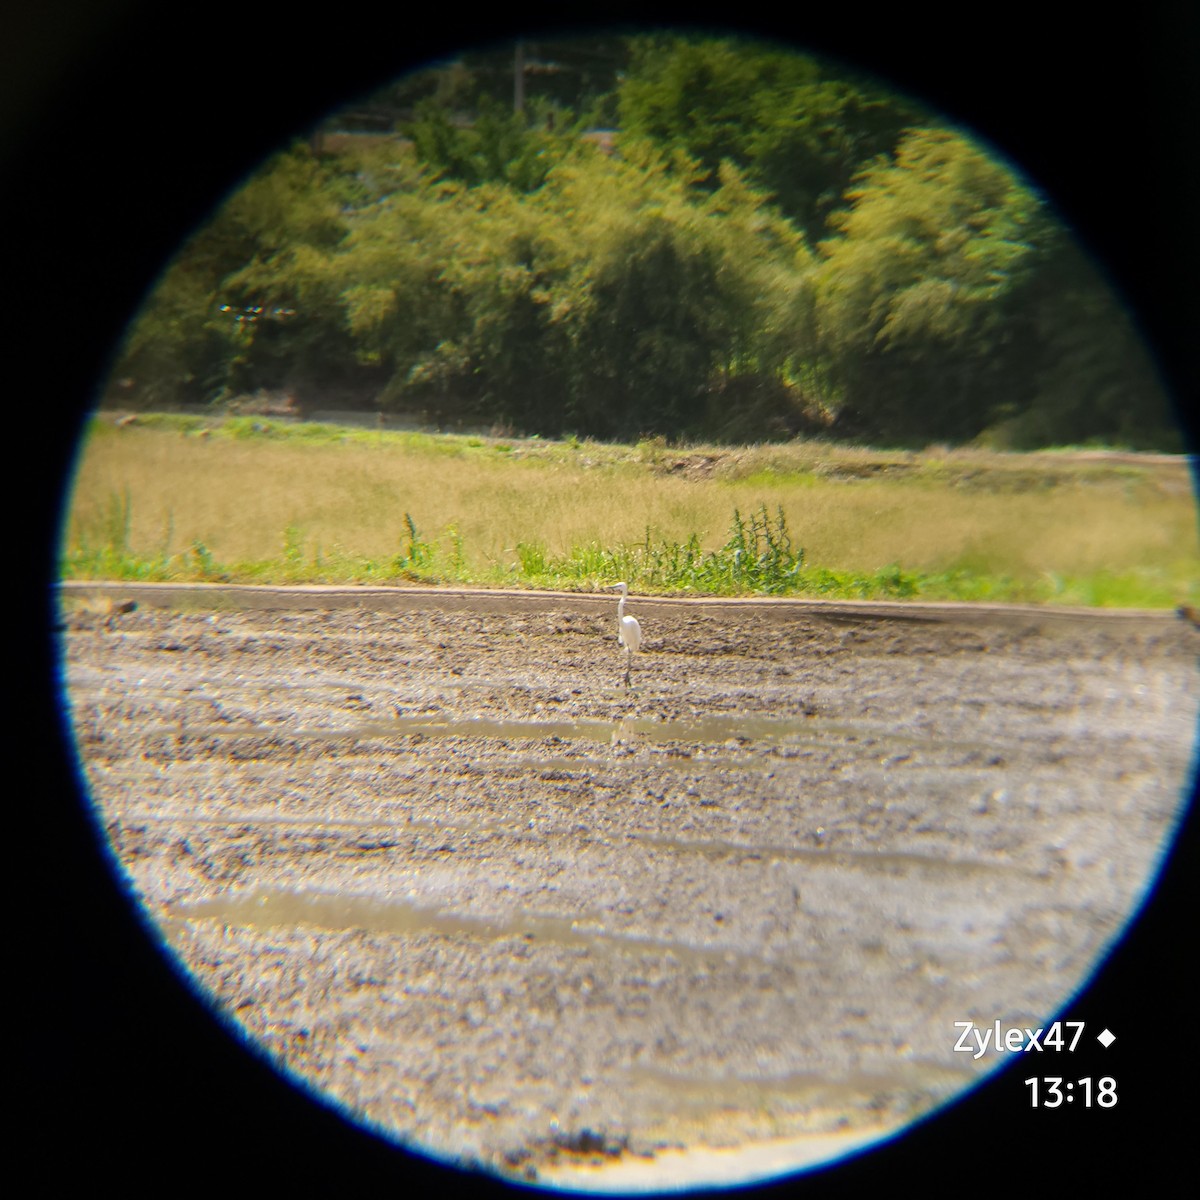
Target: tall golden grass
{"x": 1025, "y": 517}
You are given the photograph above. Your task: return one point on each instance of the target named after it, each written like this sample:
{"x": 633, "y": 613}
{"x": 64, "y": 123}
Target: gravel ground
{"x": 431, "y": 854}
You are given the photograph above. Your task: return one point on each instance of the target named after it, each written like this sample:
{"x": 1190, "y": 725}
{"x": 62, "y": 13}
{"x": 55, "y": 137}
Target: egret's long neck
{"x": 621, "y": 608}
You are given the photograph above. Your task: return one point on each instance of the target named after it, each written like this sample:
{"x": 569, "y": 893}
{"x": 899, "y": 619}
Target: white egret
{"x": 629, "y": 632}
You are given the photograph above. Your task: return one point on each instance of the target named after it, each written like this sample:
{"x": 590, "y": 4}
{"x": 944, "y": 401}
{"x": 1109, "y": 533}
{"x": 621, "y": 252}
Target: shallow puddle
{"x": 701, "y": 731}
{"x": 265, "y": 909}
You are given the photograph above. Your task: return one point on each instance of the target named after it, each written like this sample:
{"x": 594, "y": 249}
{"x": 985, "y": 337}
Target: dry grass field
{"x": 163, "y": 498}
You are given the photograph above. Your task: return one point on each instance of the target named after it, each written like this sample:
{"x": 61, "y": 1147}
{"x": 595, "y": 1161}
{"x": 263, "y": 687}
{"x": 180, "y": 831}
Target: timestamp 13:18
{"x": 1054, "y": 1090}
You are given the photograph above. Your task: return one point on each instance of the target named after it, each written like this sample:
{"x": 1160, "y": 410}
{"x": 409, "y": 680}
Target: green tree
{"x": 605, "y": 303}
{"x": 503, "y": 357}
{"x": 667, "y": 291}
{"x": 1086, "y": 370}
{"x": 913, "y": 297}
{"x": 798, "y": 132}
{"x": 221, "y": 319}
{"x": 496, "y": 146}
{"x": 180, "y": 346}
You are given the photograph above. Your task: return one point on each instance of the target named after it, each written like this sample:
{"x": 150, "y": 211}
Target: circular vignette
{"x": 144, "y": 212}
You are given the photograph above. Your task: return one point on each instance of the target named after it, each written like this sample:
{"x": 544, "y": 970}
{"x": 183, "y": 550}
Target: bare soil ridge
{"x": 297, "y": 597}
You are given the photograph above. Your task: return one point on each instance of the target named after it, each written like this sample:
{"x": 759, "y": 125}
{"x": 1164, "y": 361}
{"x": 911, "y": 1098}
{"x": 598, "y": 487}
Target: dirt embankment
{"x": 429, "y": 851}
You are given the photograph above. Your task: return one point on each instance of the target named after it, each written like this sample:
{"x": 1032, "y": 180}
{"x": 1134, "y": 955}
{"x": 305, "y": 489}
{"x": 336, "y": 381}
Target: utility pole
{"x": 519, "y": 78}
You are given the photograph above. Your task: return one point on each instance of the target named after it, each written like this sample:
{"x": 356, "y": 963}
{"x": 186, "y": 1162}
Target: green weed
{"x": 532, "y": 558}
{"x": 205, "y": 565}
{"x": 293, "y": 546}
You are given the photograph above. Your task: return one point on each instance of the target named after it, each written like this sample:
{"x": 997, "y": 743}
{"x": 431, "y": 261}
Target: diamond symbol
{"x": 1106, "y": 1039}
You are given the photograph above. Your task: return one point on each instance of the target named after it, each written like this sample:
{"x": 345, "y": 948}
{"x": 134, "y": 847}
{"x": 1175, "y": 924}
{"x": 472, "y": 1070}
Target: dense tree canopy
{"x": 798, "y": 132}
{"x": 762, "y": 247}
{"x": 915, "y": 293}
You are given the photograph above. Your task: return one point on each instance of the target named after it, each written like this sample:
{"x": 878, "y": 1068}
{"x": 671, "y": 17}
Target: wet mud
{"x": 443, "y": 865}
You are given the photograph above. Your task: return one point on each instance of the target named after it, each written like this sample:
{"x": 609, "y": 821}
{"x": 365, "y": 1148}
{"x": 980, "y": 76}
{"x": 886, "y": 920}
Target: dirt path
{"x": 427, "y": 850}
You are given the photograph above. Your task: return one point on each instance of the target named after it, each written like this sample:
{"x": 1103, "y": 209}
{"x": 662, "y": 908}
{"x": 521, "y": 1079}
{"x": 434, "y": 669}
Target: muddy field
{"x": 431, "y": 852}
